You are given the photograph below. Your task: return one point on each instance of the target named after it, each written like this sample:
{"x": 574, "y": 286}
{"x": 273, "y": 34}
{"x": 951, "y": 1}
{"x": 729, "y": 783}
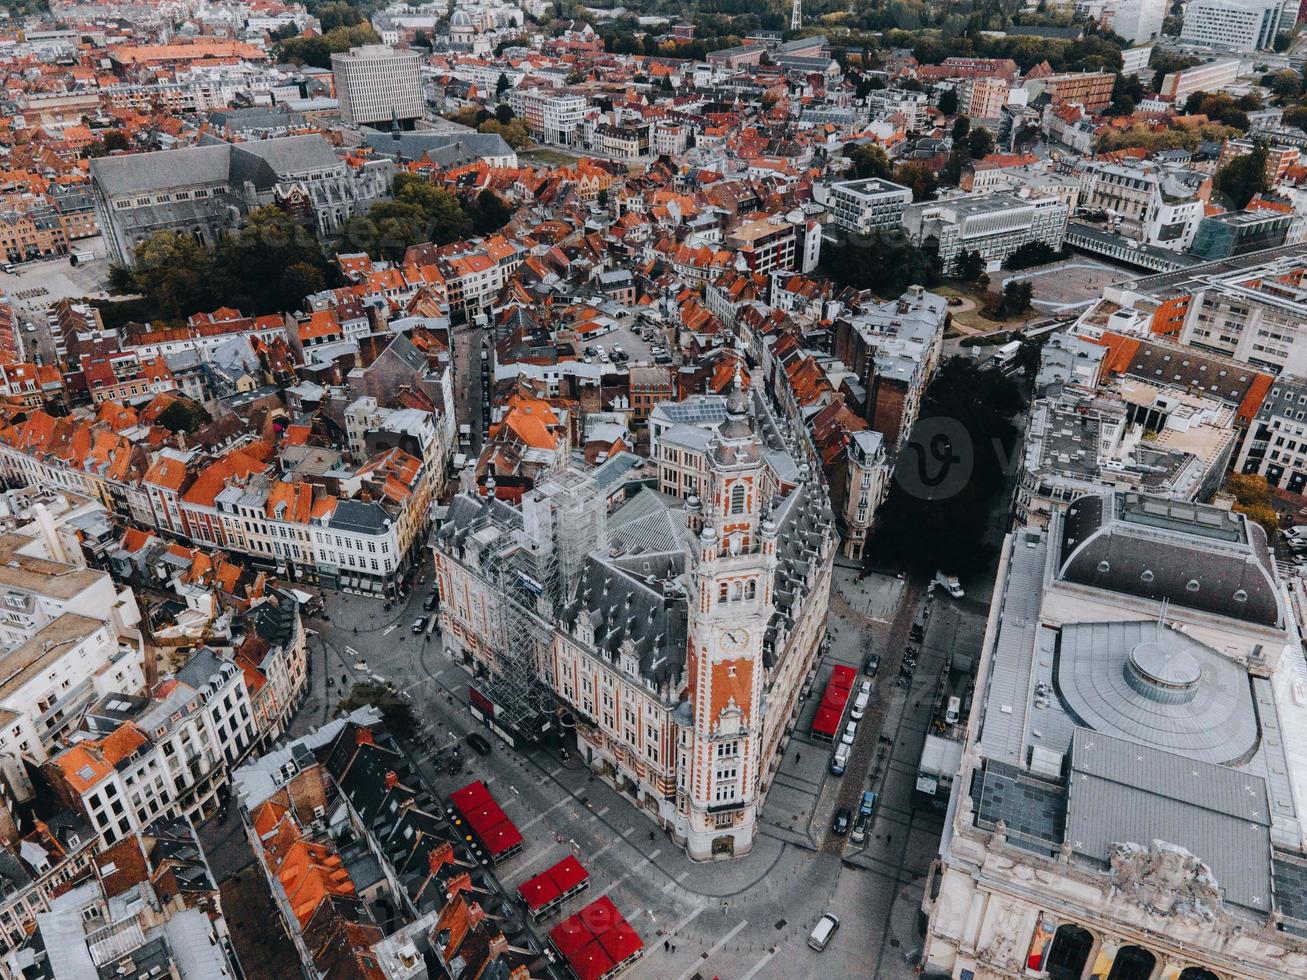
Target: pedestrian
{"x": 667, "y": 945}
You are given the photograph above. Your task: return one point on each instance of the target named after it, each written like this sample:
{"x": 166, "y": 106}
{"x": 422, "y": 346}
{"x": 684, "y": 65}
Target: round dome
{"x": 1162, "y": 673}
{"x": 460, "y": 18}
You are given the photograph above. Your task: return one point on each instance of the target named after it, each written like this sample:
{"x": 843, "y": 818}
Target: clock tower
{"x": 732, "y": 565}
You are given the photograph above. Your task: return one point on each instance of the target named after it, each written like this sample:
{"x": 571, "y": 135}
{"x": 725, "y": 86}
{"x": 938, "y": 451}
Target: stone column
{"x": 1102, "y": 958}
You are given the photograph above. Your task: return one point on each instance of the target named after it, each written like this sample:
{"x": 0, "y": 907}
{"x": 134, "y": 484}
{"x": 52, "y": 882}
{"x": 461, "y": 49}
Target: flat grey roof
{"x": 1219, "y": 815}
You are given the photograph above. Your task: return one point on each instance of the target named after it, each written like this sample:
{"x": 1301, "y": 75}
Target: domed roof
{"x": 460, "y": 18}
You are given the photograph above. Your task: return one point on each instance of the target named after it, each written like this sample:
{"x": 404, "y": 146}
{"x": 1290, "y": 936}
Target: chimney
{"x": 458, "y": 883}
{"x": 363, "y": 737}
{"x": 439, "y": 856}
{"x": 475, "y": 915}
{"x": 392, "y": 779}
{"x": 45, "y": 525}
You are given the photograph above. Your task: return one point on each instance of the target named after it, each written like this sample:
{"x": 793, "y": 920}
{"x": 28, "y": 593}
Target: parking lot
{"x": 746, "y": 918}
{"x": 40, "y": 284}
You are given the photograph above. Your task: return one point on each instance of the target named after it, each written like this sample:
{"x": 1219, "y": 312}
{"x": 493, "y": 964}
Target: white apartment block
{"x": 549, "y": 116}
{"x": 863, "y": 206}
{"x": 376, "y": 84}
{"x": 995, "y": 225}
{"x": 49, "y": 681}
{"x": 1237, "y": 25}
{"x": 1210, "y": 77}
{"x": 166, "y": 757}
{"x": 1139, "y": 21}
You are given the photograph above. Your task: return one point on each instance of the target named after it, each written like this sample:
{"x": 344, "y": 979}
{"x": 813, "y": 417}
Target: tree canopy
{"x": 1243, "y": 178}
{"x": 951, "y": 471}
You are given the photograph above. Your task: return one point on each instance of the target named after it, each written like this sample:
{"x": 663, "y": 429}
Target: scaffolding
{"x": 533, "y": 571}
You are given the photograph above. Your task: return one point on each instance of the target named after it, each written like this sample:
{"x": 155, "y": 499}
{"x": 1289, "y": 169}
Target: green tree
{"x": 1016, "y": 297}
{"x": 174, "y": 272}
{"x": 869, "y": 160}
{"x": 1252, "y": 496}
{"x": 1286, "y": 84}
{"x": 299, "y": 280}
{"x": 970, "y": 265}
{"x": 183, "y": 415}
{"x": 966, "y": 418}
{"x": 961, "y": 126}
{"x": 920, "y": 179}
{"x": 1243, "y": 178}
{"x": 980, "y": 143}
{"x": 502, "y": 85}
{"x": 489, "y": 213}
{"x": 271, "y": 252}
{"x": 514, "y": 132}
{"x": 948, "y": 102}
{"x": 333, "y": 15}
{"x": 887, "y": 263}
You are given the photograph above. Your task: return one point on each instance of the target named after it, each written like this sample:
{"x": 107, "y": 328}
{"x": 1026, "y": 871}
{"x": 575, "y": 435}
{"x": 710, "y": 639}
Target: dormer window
{"x": 1147, "y": 575}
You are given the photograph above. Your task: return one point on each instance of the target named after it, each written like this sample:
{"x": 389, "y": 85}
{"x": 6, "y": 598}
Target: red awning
{"x": 568, "y": 873}
{"x": 596, "y": 940}
{"x": 570, "y": 936}
{"x": 827, "y": 720}
{"x": 552, "y": 883}
{"x": 470, "y": 797}
{"x": 486, "y": 817}
{"x": 591, "y": 963}
{"x": 538, "y": 892}
{"x": 621, "y": 942}
{"x": 501, "y": 839}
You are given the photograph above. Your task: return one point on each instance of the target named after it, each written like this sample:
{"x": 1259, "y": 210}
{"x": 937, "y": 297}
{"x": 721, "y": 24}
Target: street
{"x": 745, "y": 918}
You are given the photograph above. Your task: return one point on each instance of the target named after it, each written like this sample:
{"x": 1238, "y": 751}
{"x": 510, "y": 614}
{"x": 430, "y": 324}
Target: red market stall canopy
{"x": 487, "y": 820}
{"x": 550, "y": 889}
{"x": 826, "y": 722}
{"x": 597, "y": 942}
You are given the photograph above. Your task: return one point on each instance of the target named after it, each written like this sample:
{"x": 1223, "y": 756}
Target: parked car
{"x": 871, "y": 664}
{"x": 867, "y": 805}
{"x": 950, "y": 583}
{"x": 840, "y": 824}
{"x": 420, "y": 623}
{"x": 479, "y": 743}
{"x": 859, "y": 832}
{"x": 953, "y": 710}
{"x": 823, "y": 931}
{"x": 859, "y": 706}
{"x": 850, "y": 732}
{"x": 839, "y": 760}
{"x": 430, "y": 602}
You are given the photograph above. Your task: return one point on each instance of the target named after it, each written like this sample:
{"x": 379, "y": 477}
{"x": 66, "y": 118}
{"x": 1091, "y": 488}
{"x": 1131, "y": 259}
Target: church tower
{"x": 732, "y": 565}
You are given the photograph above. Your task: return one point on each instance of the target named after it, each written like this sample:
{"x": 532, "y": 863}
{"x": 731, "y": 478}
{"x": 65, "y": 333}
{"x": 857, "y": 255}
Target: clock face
{"x": 735, "y": 639}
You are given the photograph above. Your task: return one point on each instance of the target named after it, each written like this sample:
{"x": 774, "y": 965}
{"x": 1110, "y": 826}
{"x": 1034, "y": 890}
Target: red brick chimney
{"x": 392, "y": 779}
{"x": 440, "y": 856}
{"x": 459, "y": 883}
{"x": 363, "y": 736}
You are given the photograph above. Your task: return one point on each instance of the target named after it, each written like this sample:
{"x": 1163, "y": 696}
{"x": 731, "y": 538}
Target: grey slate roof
{"x": 1219, "y": 815}
{"x": 443, "y": 149}
{"x": 152, "y": 172}
{"x": 1192, "y": 555}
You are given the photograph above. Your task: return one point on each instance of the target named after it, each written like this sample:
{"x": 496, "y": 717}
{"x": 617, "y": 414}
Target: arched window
{"x": 750, "y": 589}
{"x": 1132, "y": 963}
{"x": 735, "y": 592}
{"x": 1197, "y": 973}
{"x": 1069, "y": 953}
{"x": 737, "y": 499}
{"x": 723, "y": 591}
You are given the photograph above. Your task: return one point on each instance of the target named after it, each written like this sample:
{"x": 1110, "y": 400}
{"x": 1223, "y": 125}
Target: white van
{"x": 953, "y": 710}
{"x": 840, "y": 760}
{"x": 822, "y": 931}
